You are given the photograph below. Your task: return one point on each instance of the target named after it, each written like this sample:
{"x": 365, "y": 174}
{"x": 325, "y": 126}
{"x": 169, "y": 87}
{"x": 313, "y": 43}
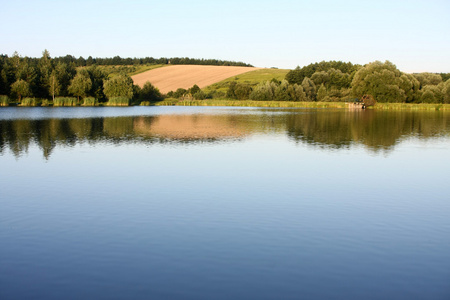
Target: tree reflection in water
{"x": 326, "y": 128}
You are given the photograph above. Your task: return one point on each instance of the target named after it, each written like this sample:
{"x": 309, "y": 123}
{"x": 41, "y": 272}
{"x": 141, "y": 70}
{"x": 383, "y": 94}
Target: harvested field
{"x": 170, "y": 78}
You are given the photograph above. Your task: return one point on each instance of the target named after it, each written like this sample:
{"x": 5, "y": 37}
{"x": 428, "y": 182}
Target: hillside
{"x": 171, "y": 78}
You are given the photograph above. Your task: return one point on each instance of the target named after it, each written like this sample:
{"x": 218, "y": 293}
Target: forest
{"x": 68, "y": 81}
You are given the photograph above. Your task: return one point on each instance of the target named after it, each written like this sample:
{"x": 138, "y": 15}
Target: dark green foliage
{"x": 265, "y": 91}
{"x": 445, "y": 76}
{"x": 149, "y": 93}
{"x": 81, "y": 84}
{"x": 242, "y": 91}
{"x": 231, "y": 94}
{"x": 65, "y": 101}
{"x": 4, "y": 100}
{"x": 179, "y": 93}
{"x": 90, "y": 101}
{"x": 117, "y": 60}
{"x": 299, "y": 74}
{"x": 428, "y": 79}
{"x": 31, "y": 102}
{"x": 21, "y": 88}
{"x": 446, "y": 91}
{"x": 321, "y": 93}
{"x": 193, "y": 90}
{"x": 118, "y": 86}
{"x": 310, "y": 89}
{"x": 380, "y": 80}
{"x": 97, "y": 77}
{"x": 119, "y": 101}
{"x": 432, "y": 94}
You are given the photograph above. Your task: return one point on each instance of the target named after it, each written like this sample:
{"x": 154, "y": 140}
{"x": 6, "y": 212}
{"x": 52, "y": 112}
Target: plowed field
{"x": 171, "y": 78}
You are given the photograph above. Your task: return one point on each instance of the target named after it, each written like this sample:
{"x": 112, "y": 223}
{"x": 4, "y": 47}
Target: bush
{"x": 30, "y": 102}
{"x": 118, "y": 101}
{"x": 65, "y": 101}
{"x": 4, "y": 100}
{"x": 90, "y": 101}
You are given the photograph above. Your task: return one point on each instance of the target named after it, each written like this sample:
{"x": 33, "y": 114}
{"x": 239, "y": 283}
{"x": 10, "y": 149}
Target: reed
{"x": 118, "y": 101}
{"x": 90, "y": 101}
{"x": 412, "y": 106}
{"x": 250, "y": 103}
{"x": 4, "y": 100}
{"x": 30, "y": 102}
{"x": 65, "y": 101}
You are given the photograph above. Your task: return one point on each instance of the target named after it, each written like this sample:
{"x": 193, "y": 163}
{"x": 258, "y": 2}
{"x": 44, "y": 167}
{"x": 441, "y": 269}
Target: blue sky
{"x": 414, "y": 35}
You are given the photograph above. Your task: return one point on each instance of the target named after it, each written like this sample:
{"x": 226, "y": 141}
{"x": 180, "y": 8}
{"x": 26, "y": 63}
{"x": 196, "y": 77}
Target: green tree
{"x": 65, "y": 74}
{"x": 265, "y": 91}
{"x": 118, "y": 86}
{"x": 428, "y": 78}
{"x": 54, "y": 86}
{"x": 282, "y": 92}
{"x": 432, "y": 94}
{"x": 45, "y": 70}
{"x": 446, "y": 91}
{"x": 81, "y": 84}
{"x": 231, "y": 92}
{"x": 21, "y": 88}
{"x": 149, "y": 93}
{"x": 310, "y": 89}
{"x": 381, "y": 80}
{"x": 242, "y": 91}
{"x": 194, "y": 90}
{"x": 321, "y": 93}
{"x": 97, "y": 77}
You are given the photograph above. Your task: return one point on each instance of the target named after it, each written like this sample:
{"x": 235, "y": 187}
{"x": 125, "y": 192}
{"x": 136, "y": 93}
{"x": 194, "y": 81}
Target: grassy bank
{"x": 251, "y": 103}
{"x": 412, "y": 106}
{"x": 252, "y": 78}
{"x": 248, "y": 103}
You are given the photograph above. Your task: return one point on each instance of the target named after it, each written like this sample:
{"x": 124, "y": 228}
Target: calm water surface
{"x": 224, "y": 203}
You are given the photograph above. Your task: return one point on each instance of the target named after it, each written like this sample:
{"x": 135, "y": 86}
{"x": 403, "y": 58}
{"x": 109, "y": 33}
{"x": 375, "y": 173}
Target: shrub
{"x": 65, "y": 101}
{"x": 30, "y": 102}
{"x": 4, "y": 100}
{"x": 90, "y": 101}
{"x": 118, "y": 101}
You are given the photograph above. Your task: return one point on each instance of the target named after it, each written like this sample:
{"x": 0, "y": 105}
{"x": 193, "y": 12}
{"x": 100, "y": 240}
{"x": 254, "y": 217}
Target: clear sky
{"x": 414, "y": 35}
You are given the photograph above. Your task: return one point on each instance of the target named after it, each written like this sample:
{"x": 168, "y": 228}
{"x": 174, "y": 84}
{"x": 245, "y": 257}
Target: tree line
{"x": 32, "y": 81}
{"x": 67, "y": 81}
{"x": 125, "y": 61}
{"x": 339, "y": 81}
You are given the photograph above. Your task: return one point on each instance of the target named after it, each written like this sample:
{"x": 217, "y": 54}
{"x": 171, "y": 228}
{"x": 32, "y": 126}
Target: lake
{"x": 224, "y": 203}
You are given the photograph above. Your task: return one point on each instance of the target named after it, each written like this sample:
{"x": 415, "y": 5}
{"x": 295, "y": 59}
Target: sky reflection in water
{"x": 201, "y": 203}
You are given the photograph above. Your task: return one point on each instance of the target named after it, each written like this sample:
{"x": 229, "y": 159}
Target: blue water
{"x": 223, "y": 203}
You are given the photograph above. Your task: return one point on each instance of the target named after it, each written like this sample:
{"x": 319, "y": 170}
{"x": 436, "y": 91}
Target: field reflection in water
{"x": 224, "y": 203}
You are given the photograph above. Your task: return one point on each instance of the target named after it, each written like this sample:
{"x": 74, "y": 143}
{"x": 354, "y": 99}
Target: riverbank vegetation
{"x": 67, "y": 81}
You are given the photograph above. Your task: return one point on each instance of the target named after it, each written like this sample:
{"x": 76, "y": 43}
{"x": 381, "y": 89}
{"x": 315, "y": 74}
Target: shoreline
{"x": 271, "y": 104}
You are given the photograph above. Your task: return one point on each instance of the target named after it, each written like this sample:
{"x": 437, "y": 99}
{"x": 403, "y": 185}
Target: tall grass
{"x": 65, "y": 101}
{"x": 30, "y": 102}
{"x": 249, "y": 103}
{"x": 118, "y": 101}
{"x": 411, "y": 106}
{"x": 90, "y": 101}
{"x": 4, "y": 100}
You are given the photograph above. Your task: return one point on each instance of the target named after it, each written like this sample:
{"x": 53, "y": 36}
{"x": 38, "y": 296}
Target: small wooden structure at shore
{"x": 356, "y": 105}
{"x": 365, "y": 101}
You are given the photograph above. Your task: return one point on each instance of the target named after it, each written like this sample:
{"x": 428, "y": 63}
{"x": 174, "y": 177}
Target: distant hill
{"x": 171, "y": 78}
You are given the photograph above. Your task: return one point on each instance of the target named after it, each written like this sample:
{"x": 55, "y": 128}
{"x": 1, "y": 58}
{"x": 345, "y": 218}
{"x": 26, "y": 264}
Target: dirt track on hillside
{"x": 170, "y": 78}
